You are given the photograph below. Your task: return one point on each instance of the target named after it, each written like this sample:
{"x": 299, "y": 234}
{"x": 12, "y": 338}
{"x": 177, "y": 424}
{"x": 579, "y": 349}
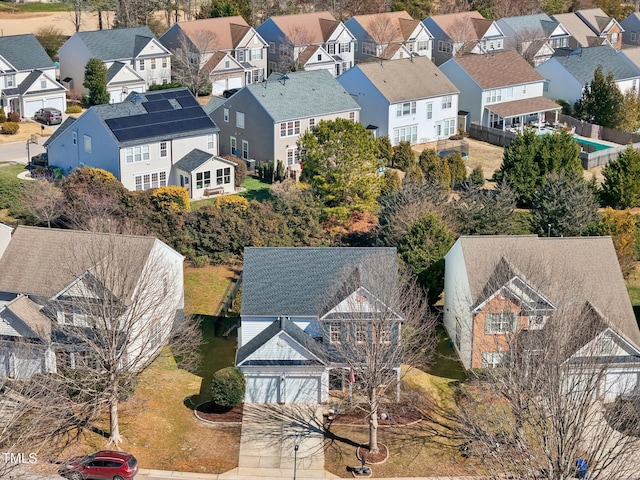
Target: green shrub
{"x": 476, "y": 177}
{"x": 13, "y": 117}
{"x": 74, "y": 109}
{"x": 227, "y": 387}
{"x": 240, "y": 171}
{"x": 10, "y": 128}
{"x": 201, "y": 261}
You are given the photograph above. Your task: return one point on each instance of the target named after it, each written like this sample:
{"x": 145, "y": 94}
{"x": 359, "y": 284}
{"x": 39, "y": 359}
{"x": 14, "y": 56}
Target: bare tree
{"x": 75, "y": 12}
{"x": 190, "y": 60}
{"x": 374, "y": 322}
{"x": 43, "y": 201}
{"x": 384, "y": 33}
{"x": 292, "y": 47}
{"x": 536, "y": 407}
{"x": 463, "y": 35}
{"x": 528, "y": 42}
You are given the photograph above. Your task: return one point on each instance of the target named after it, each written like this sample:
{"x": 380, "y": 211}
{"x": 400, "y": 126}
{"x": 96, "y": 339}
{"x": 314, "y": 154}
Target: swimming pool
{"x": 591, "y": 146}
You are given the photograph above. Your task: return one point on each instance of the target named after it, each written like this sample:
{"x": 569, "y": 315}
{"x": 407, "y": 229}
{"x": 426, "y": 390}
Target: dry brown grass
{"x": 26, "y": 130}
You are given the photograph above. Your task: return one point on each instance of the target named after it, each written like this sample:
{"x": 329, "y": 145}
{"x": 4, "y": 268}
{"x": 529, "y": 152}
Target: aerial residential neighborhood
{"x": 319, "y": 240}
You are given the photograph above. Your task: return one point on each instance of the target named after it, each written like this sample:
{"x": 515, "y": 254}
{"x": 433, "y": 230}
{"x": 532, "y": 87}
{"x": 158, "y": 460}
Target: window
{"x": 493, "y": 96}
{"x": 614, "y": 37}
{"x": 509, "y": 93}
{"x": 633, "y": 36}
{"x": 211, "y": 141}
{"x": 446, "y": 102}
{"x": 345, "y": 47}
{"x": 227, "y": 64}
{"x": 292, "y": 156}
{"x": 499, "y": 44}
{"x": 163, "y": 149}
{"x": 203, "y": 180}
{"x": 319, "y": 57}
{"x": 141, "y": 65}
{"x": 429, "y": 111}
{"x": 153, "y": 64}
{"x": 352, "y": 116}
{"x": 245, "y": 149}
{"x": 256, "y": 54}
{"x": 164, "y": 62}
{"x": 449, "y": 127}
{"x": 503, "y": 322}
{"x": 43, "y": 84}
{"x": 384, "y": 334}
{"x": 331, "y": 48}
{"x": 225, "y": 113}
{"x": 492, "y": 359}
{"x": 146, "y": 181}
{"x": 312, "y": 123}
{"x": 423, "y": 45}
{"x": 360, "y": 332}
{"x": 87, "y": 143}
{"x": 444, "y": 47}
{"x": 287, "y": 129}
{"x": 233, "y": 145}
{"x": 369, "y": 48}
{"x": 405, "y": 134}
{"x": 407, "y": 108}
{"x": 74, "y": 138}
{"x": 272, "y": 47}
{"x": 240, "y": 54}
{"x": 223, "y": 176}
{"x": 165, "y": 81}
{"x": 10, "y": 81}
{"x": 239, "y": 119}
{"x": 136, "y": 154}
{"x": 334, "y": 333}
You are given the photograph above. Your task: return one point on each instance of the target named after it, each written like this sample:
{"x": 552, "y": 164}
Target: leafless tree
{"x": 75, "y": 12}
{"x": 291, "y": 48}
{"x": 190, "y": 60}
{"x": 375, "y": 321}
{"x": 463, "y": 35}
{"x": 384, "y": 33}
{"x": 526, "y": 39}
{"x": 540, "y": 408}
{"x": 43, "y": 200}
{"x": 514, "y": 8}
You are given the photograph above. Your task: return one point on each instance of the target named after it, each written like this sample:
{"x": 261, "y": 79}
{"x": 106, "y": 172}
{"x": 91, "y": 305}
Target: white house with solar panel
{"x": 300, "y": 305}
{"x": 134, "y": 57}
{"x": 150, "y": 140}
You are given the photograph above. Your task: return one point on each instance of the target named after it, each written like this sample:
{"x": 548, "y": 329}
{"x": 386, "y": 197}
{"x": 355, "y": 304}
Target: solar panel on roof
{"x": 187, "y": 101}
{"x": 157, "y": 106}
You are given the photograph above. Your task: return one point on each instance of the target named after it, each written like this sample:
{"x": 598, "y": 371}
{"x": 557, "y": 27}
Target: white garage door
{"x": 262, "y": 389}
{"x": 55, "y": 102}
{"x": 620, "y": 383}
{"x": 31, "y": 107}
{"x": 302, "y": 389}
{"x": 219, "y": 86}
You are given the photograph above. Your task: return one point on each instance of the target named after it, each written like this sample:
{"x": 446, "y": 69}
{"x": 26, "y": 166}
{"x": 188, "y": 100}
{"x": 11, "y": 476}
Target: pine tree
{"x": 602, "y": 101}
{"x": 95, "y": 79}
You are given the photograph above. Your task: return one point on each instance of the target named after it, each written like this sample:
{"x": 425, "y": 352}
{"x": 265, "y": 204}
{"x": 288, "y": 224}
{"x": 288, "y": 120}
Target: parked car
{"x": 102, "y": 465}
{"x": 50, "y": 116}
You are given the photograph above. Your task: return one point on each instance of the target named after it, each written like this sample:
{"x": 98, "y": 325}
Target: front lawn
{"x": 10, "y": 190}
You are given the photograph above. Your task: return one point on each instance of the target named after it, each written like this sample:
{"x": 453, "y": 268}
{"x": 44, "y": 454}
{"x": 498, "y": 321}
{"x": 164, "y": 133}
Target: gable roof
{"x": 537, "y": 22}
{"x": 30, "y": 314}
{"x": 579, "y": 30}
{"x": 117, "y": 43}
{"x": 29, "y": 81}
{"x": 582, "y": 63}
{"x": 299, "y": 95}
{"x": 315, "y": 27}
{"x": 407, "y": 79}
{"x": 58, "y": 131}
{"x": 595, "y": 19}
{"x": 282, "y": 324}
{"x": 400, "y": 23}
{"x": 498, "y": 69}
{"x": 295, "y": 281}
{"x": 195, "y": 158}
{"x": 226, "y": 32}
{"x": 588, "y": 264}
{"x": 152, "y": 115}
{"x": 24, "y": 52}
{"x": 63, "y": 255}
{"x": 462, "y": 26}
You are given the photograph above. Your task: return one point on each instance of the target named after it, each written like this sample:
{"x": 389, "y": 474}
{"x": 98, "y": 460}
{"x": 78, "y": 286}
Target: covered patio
{"x": 514, "y": 116}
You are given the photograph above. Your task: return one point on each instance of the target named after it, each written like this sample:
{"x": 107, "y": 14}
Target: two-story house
{"x": 389, "y": 35}
{"x": 264, "y": 121}
{"x": 134, "y": 57}
{"x": 231, "y": 51}
{"x": 536, "y": 37}
{"x": 43, "y": 318}
{"x": 28, "y": 77}
{"x": 631, "y": 29}
{"x": 308, "y": 41}
{"x": 567, "y": 74}
{"x": 591, "y": 27}
{"x": 299, "y": 305}
{"x": 463, "y": 32}
{"x": 408, "y": 100}
{"x": 501, "y": 291}
{"x": 499, "y": 90}
{"x": 150, "y": 140}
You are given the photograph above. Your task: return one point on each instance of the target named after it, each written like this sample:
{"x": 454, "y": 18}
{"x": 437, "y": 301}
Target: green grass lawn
{"x": 10, "y": 190}
{"x": 34, "y": 7}
{"x": 256, "y": 189}
{"x": 445, "y": 362}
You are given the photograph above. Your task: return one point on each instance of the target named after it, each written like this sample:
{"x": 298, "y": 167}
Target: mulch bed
{"x": 370, "y": 458}
{"x": 397, "y": 414}
{"x": 212, "y": 413}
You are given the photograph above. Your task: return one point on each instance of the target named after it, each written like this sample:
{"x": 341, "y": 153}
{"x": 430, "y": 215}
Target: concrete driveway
{"x": 270, "y": 434}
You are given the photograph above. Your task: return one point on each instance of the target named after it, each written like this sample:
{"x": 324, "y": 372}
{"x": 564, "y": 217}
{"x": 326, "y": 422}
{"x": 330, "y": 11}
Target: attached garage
{"x": 219, "y": 86}
{"x": 620, "y": 383}
{"x": 55, "y": 102}
{"x": 262, "y": 389}
{"x": 31, "y": 106}
{"x": 302, "y": 389}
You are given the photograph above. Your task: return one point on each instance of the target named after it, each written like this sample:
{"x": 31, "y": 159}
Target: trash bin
{"x": 251, "y": 165}
{"x": 581, "y": 468}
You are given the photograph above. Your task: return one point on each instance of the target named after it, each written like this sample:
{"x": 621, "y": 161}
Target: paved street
{"x": 17, "y": 151}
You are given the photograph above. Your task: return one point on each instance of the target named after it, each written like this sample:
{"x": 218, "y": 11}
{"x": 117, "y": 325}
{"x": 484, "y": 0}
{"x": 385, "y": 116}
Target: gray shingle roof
{"x": 116, "y": 44}
{"x": 65, "y": 124}
{"x": 580, "y": 270}
{"x": 297, "y": 281}
{"x": 582, "y": 63}
{"x": 30, "y": 80}
{"x": 530, "y": 23}
{"x": 24, "y": 52}
{"x": 283, "y": 324}
{"x": 407, "y": 79}
{"x": 197, "y": 157}
{"x": 302, "y": 95}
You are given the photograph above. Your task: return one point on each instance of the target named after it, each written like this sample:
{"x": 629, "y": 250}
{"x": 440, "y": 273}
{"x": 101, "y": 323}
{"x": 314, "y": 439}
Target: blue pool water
{"x": 591, "y": 146}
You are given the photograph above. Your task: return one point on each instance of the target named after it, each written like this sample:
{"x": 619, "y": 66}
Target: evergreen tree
{"x": 486, "y": 212}
{"x": 403, "y": 156}
{"x": 95, "y": 79}
{"x": 602, "y": 101}
{"x": 436, "y": 170}
{"x": 558, "y": 153}
{"x": 621, "y": 186}
{"x": 519, "y": 168}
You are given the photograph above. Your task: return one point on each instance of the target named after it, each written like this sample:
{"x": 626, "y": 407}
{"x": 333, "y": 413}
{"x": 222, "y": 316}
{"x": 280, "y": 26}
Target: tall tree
{"x": 51, "y": 39}
{"x": 624, "y": 228}
{"x": 630, "y": 119}
{"x": 189, "y": 61}
{"x": 602, "y": 101}
{"x": 95, "y": 79}
{"x": 340, "y": 160}
{"x": 486, "y": 212}
{"x": 519, "y": 168}
{"x": 564, "y": 206}
{"x": 621, "y": 186}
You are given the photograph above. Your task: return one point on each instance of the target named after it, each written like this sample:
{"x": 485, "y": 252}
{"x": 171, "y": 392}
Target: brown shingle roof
{"x": 41, "y": 262}
{"x": 407, "y": 26}
{"x": 226, "y": 32}
{"x": 524, "y": 106}
{"x": 462, "y": 26}
{"x": 30, "y": 313}
{"x": 498, "y": 69}
{"x": 582, "y": 270}
{"x": 406, "y": 79}
{"x": 316, "y": 27}
{"x": 576, "y": 28}
{"x": 400, "y": 23}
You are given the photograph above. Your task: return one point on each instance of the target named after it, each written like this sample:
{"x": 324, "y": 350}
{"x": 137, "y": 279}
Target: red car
{"x": 102, "y": 465}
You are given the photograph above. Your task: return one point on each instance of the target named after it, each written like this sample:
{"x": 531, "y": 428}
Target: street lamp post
{"x": 295, "y": 460}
